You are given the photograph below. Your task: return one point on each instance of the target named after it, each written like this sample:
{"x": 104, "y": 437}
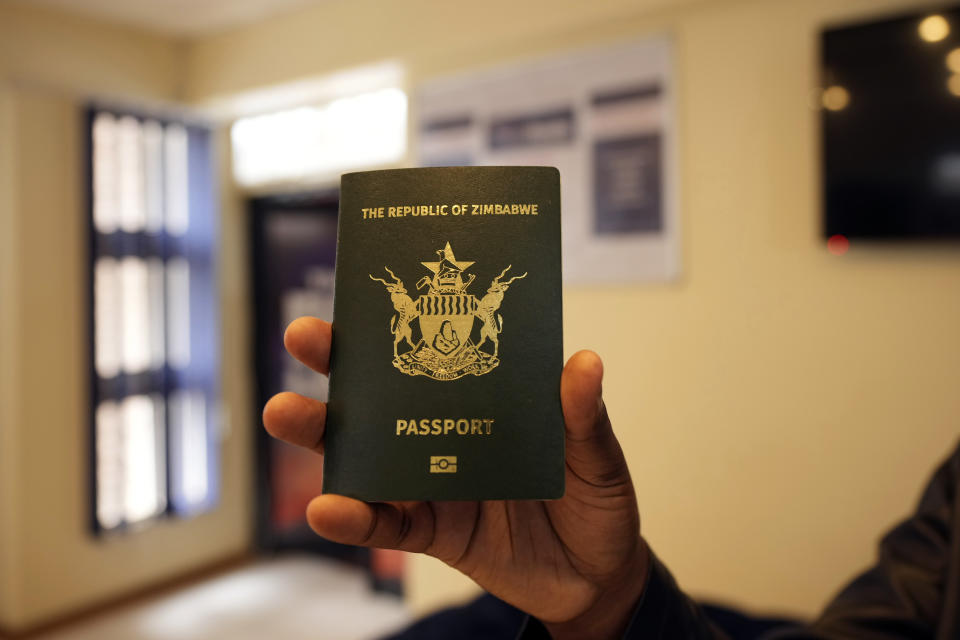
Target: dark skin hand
{"x": 577, "y": 564}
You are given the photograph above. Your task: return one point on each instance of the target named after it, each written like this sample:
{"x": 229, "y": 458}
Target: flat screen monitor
{"x": 891, "y": 127}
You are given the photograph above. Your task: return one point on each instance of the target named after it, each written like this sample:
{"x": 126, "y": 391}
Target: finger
{"x": 593, "y": 453}
{"x": 296, "y": 419}
{"x": 308, "y": 340}
{"x": 407, "y": 526}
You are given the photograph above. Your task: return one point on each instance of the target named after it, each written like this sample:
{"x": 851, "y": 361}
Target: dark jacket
{"x": 913, "y": 590}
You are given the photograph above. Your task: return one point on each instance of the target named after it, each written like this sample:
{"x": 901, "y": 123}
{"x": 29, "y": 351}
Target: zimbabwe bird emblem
{"x": 433, "y": 336}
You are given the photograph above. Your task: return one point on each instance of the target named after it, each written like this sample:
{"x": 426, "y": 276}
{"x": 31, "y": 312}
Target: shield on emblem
{"x": 446, "y": 321}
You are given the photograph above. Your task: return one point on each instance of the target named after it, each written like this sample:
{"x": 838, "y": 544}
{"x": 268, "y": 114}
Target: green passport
{"x": 447, "y": 336}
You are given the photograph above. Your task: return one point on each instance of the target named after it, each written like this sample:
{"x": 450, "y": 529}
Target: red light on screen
{"x": 838, "y": 245}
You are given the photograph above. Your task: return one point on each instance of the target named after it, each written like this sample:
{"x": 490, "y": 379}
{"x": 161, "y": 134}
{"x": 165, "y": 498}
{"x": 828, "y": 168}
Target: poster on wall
{"x": 605, "y": 118}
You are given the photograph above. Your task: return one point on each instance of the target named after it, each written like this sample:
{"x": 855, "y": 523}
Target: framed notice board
{"x": 605, "y": 117}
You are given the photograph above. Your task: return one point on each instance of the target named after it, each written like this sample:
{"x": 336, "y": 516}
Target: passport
{"x": 447, "y": 336}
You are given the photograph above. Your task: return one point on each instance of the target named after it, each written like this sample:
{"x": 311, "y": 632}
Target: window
{"x": 154, "y": 317}
{"x": 310, "y": 142}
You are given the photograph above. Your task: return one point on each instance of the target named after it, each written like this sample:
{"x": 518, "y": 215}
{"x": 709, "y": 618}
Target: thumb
{"x": 593, "y": 453}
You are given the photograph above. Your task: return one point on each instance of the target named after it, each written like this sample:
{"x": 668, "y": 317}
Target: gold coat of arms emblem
{"x": 446, "y": 315}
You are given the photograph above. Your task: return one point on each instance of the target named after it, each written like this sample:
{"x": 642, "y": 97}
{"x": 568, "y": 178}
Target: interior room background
{"x": 779, "y": 405}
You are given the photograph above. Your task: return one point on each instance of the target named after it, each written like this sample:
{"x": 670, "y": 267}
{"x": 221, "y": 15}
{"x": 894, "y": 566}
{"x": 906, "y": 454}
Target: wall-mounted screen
{"x": 891, "y": 127}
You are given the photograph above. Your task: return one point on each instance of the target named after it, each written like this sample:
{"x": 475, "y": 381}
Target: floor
{"x": 288, "y": 598}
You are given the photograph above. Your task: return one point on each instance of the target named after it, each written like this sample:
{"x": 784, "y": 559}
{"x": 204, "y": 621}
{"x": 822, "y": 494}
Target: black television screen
{"x": 891, "y": 127}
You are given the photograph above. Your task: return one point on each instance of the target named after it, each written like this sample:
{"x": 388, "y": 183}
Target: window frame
{"x": 196, "y": 246}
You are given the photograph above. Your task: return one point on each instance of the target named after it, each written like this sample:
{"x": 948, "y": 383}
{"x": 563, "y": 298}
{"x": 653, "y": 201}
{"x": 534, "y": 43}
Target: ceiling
{"x": 182, "y": 18}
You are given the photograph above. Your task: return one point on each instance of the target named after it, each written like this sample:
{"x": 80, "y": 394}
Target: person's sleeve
{"x": 662, "y": 612}
{"x": 904, "y": 595}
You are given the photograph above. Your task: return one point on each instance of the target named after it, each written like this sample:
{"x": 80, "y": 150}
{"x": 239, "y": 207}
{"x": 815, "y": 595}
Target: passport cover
{"x": 447, "y": 336}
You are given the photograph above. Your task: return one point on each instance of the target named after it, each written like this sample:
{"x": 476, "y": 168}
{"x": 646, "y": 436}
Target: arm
{"x": 911, "y": 591}
{"x": 663, "y": 612}
{"x": 573, "y": 563}
{"x": 579, "y": 564}
{"x": 908, "y": 593}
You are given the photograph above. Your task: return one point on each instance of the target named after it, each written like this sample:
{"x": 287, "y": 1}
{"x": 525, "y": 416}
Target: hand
{"x": 577, "y": 564}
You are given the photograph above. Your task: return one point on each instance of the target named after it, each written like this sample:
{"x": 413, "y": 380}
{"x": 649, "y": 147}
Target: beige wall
{"x": 50, "y": 564}
{"x": 42, "y": 48}
{"x": 779, "y": 406}
{"x": 9, "y": 388}
{"x": 339, "y": 34}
